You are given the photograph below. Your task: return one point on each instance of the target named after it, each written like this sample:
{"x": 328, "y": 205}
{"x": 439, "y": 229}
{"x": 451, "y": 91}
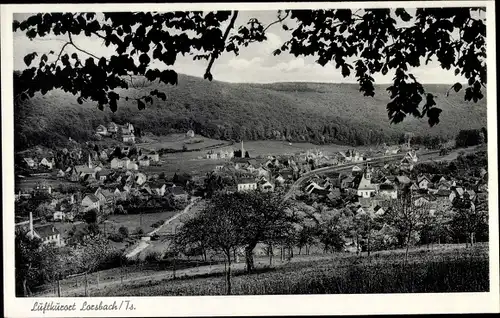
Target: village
{"x": 116, "y": 181}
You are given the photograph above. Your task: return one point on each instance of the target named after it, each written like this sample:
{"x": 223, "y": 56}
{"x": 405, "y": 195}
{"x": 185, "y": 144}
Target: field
{"x": 272, "y": 147}
{"x": 133, "y": 221}
{"x": 177, "y": 141}
{"x": 447, "y": 270}
{"x": 442, "y": 268}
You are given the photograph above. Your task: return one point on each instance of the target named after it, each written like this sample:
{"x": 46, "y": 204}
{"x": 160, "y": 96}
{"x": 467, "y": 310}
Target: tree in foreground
{"x": 408, "y": 216}
{"x": 364, "y": 42}
{"x": 240, "y": 220}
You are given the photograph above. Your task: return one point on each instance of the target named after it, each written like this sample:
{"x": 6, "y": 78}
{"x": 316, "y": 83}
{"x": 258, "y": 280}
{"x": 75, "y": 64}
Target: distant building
{"x": 101, "y": 130}
{"x": 129, "y": 138}
{"x": 89, "y": 202}
{"x": 190, "y": 134}
{"x": 112, "y": 128}
{"x": 47, "y": 233}
{"x": 246, "y": 184}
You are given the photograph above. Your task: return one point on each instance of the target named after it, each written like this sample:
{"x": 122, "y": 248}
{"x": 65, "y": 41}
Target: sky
{"x": 254, "y": 64}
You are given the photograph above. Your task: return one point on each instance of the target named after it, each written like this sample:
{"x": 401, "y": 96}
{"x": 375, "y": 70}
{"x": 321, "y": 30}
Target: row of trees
{"x": 471, "y": 137}
{"x": 241, "y": 221}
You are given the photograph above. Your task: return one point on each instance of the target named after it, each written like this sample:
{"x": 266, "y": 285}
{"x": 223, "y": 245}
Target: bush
{"x": 153, "y": 257}
{"x": 139, "y": 231}
{"x": 116, "y": 237}
{"x": 123, "y": 231}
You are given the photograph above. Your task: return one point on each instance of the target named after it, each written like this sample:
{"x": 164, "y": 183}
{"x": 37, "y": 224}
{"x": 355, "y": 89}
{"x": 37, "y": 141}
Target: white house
{"x": 30, "y": 162}
{"x": 246, "y": 184}
{"x": 132, "y": 166}
{"x": 144, "y": 161}
{"x": 89, "y": 202}
{"x": 366, "y": 188}
{"x": 117, "y": 163}
{"x": 128, "y": 138}
{"x": 101, "y": 130}
{"x": 140, "y": 178}
{"x": 45, "y": 162}
{"x": 423, "y": 182}
{"x": 211, "y": 155}
{"x": 47, "y": 233}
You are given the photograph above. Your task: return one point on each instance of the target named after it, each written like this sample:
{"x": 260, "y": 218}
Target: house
{"x": 132, "y": 166}
{"x": 423, "y": 182}
{"x": 245, "y": 184}
{"x": 265, "y": 185}
{"x": 144, "y": 161}
{"x": 81, "y": 171}
{"x": 153, "y": 155}
{"x": 140, "y": 178}
{"x": 388, "y": 191}
{"x": 30, "y": 162}
{"x": 112, "y": 128}
{"x": 365, "y": 187}
{"x": 60, "y": 174}
{"x": 103, "y": 175}
{"x": 47, "y": 233}
{"x": 130, "y": 138}
{"x": 178, "y": 193}
{"x": 190, "y": 133}
{"x": 158, "y": 188}
{"x": 46, "y": 163}
{"x": 101, "y": 130}
{"x": 90, "y": 202}
{"x": 211, "y": 155}
{"x": 117, "y": 163}
{"x": 414, "y": 187}
{"x": 43, "y": 187}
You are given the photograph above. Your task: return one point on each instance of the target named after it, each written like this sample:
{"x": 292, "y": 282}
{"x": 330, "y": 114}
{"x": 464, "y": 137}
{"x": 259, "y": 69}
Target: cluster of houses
{"x": 125, "y": 131}
{"x": 376, "y": 189}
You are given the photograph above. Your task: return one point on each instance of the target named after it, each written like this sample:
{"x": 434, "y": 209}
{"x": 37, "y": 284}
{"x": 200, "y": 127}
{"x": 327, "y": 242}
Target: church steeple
{"x": 90, "y": 163}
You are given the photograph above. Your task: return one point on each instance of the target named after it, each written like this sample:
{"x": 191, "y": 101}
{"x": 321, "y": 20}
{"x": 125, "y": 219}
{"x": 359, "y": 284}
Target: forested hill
{"x": 316, "y": 112}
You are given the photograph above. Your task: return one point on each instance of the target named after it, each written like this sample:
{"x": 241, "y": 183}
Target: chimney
{"x": 31, "y": 225}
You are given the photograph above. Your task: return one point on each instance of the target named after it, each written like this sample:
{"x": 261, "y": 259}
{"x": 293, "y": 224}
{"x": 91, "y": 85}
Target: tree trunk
{"x": 228, "y": 274}
{"x": 250, "y": 266}
{"x": 271, "y": 252}
{"x": 368, "y": 245}
{"x": 300, "y": 249}
{"x": 25, "y": 289}
{"x": 407, "y": 246}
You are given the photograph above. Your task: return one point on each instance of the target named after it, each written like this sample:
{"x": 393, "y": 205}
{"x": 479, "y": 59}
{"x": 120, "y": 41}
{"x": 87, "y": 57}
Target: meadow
{"x": 450, "y": 268}
{"x": 133, "y": 221}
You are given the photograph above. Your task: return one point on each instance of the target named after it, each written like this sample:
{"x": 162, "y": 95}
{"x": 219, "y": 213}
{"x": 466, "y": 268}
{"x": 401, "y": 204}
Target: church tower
{"x": 368, "y": 173}
{"x": 90, "y": 163}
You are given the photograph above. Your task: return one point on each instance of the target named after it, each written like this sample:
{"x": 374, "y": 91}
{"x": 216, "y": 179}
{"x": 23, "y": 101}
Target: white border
{"x": 251, "y": 305}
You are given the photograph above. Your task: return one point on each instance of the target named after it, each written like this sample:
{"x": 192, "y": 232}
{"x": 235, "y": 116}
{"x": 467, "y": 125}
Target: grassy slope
{"x": 444, "y": 268}
{"x": 252, "y": 106}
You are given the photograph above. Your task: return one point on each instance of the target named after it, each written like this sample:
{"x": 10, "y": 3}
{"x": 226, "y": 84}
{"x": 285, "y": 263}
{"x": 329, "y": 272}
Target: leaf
{"x": 457, "y": 87}
{"x": 29, "y": 58}
{"x": 144, "y": 59}
{"x": 140, "y": 105}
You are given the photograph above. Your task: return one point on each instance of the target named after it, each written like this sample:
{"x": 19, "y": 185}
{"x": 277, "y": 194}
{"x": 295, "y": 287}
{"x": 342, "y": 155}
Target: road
{"x": 165, "y": 227}
{"x": 423, "y": 157}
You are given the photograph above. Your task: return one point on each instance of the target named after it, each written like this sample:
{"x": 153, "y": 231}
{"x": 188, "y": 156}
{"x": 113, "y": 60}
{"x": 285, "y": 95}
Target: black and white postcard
{"x": 280, "y": 158}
